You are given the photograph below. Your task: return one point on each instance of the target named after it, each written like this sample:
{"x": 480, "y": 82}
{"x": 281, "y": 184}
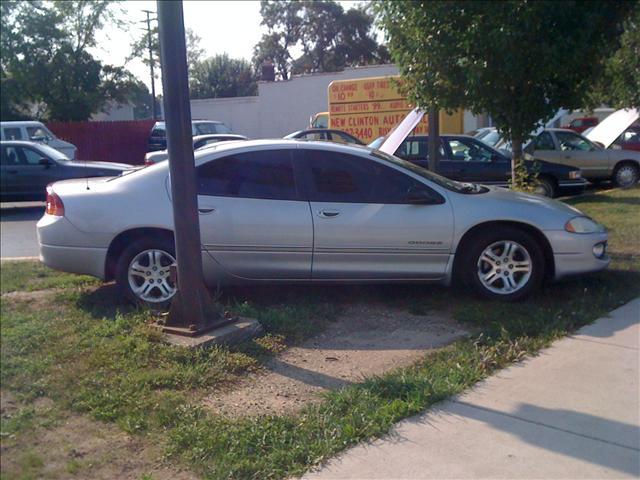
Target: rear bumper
{"x": 82, "y": 260}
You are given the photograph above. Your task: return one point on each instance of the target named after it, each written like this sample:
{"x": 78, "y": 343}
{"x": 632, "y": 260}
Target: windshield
{"x": 53, "y": 153}
{"x": 209, "y": 128}
{"x": 452, "y": 185}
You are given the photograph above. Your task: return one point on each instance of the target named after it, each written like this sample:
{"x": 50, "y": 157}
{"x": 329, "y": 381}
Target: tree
{"x": 518, "y": 61}
{"x": 619, "y": 85}
{"x": 45, "y": 67}
{"x": 221, "y": 76}
{"x": 330, "y": 38}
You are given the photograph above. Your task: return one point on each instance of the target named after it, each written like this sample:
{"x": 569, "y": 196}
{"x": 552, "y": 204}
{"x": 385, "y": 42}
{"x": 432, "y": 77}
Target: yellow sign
{"x": 369, "y": 108}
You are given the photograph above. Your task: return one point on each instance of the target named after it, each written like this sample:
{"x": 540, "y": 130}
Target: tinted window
{"x": 314, "y": 136}
{"x": 20, "y": 156}
{"x": 469, "y": 151}
{"x": 416, "y": 148}
{"x": 158, "y": 132}
{"x": 267, "y": 174}
{"x": 12, "y": 134}
{"x": 340, "y": 178}
{"x": 544, "y": 142}
{"x": 210, "y": 128}
{"x": 571, "y": 141}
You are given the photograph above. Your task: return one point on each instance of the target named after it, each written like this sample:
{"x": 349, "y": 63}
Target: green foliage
{"x": 619, "y": 83}
{"x": 330, "y": 38}
{"x": 46, "y": 69}
{"x": 221, "y": 76}
{"x": 519, "y": 61}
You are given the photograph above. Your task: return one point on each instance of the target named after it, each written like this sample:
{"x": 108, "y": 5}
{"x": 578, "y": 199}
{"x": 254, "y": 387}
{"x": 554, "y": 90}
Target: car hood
{"x": 401, "y": 131}
{"x": 514, "y": 198}
{"x": 612, "y": 127}
{"x": 116, "y": 167}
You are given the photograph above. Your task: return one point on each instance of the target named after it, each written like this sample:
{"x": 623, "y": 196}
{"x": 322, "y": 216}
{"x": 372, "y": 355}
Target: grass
{"x": 89, "y": 356}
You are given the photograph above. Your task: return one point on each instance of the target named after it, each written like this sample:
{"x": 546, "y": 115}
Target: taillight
{"x": 54, "y": 203}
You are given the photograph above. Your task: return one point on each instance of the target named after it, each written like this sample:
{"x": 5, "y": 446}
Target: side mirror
{"x": 423, "y": 196}
{"x": 45, "y": 162}
{"x": 601, "y": 145}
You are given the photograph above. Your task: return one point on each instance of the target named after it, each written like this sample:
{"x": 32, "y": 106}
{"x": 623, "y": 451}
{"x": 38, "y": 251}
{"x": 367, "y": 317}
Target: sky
{"x": 231, "y": 27}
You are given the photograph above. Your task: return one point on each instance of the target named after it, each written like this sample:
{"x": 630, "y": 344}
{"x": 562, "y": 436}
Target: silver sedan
{"x": 291, "y": 211}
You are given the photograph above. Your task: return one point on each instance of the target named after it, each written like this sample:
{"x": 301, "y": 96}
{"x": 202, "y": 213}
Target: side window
{"x": 12, "y": 133}
{"x": 30, "y": 157}
{"x": 314, "y": 136}
{"x": 265, "y": 174}
{"x": 570, "y": 141}
{"x": 469, "y": 151}
{"x": 340, "y": 178}
{"x": 544, "y": 142}
{"x": 37, "y": 133}
{"x": 416, "y": 148}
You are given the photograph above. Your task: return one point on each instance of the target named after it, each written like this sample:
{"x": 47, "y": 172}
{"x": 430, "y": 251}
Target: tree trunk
{"x": 516, "y": 148}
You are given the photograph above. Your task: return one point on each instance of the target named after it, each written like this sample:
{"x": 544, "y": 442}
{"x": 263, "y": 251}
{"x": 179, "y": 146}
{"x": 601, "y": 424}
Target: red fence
{"x": 123, "y": 142}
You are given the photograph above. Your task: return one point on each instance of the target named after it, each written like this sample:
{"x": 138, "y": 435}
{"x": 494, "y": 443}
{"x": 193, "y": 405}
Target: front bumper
{"x": 573, "y": 253}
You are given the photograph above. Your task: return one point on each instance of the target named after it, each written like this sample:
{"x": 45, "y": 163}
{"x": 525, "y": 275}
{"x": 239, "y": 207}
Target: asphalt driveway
{"x": 18, "y": 229}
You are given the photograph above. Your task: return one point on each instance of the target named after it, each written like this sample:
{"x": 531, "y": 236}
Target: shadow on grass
{"x": 105, "y": 301}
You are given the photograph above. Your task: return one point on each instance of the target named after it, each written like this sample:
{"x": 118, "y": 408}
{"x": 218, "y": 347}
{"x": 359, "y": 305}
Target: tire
{"x": 626, "y": 175}
{"x": 546, "y": 187}
{"x": 153, "y": 257}
{"x": 524, "y": 268}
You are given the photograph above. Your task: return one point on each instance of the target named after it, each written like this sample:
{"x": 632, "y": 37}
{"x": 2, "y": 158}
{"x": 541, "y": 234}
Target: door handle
{"x": 206, "y": 209}
{"x": 328, "y": 213}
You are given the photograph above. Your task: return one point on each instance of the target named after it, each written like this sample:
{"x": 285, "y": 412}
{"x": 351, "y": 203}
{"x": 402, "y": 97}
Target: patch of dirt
{"x": 37, "y": 298}
{"x": 78, "y": 447}
{"x": 365, "y": 340}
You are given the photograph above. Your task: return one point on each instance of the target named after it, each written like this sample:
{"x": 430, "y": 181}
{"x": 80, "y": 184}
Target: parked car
{"x": 596, "y": 161}
{"x": 327, "y": 134}
{"x": 36, "y": 132}
{"x": 467, "y": 159}
{"x": 289, "y": 211}
{"x": 580, "y": 124}
{"x": 27, "y": 168}
{"x": 199, "y": 141}
{"x": 158, "y": 135}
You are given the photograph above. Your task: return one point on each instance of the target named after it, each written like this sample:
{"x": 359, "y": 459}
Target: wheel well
{"x": 123, "y": 239}
{"x": 470, "y": 235}
{"x": 626, "y": 161}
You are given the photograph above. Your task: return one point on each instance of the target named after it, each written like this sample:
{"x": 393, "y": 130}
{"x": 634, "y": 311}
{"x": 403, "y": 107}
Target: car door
{"x": 25, "y": 172}
{"x": 470, "y": 160}
{"x": 364, "y": 227}
{"x": 254, "y": 219}
{"x": 579, "y": 152}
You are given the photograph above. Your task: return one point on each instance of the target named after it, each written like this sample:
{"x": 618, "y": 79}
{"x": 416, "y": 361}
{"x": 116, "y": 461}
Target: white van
{"x": 36, "y": 132}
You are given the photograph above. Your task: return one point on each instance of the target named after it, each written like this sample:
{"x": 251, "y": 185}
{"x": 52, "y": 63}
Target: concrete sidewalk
{"x": 571, "y": 412}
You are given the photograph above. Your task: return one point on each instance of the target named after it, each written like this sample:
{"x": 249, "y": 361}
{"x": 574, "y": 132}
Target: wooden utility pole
{"x": 192, "y": 309}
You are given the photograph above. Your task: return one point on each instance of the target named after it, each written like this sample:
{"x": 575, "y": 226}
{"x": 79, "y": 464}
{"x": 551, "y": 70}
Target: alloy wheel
{"x": 149, "y": 276}
{"x": 504, "y": 267}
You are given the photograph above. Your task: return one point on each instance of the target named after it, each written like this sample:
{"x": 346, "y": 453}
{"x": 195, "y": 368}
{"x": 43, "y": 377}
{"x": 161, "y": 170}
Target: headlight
{"x": 583, "y": 225}
{"x": 575, "y": 174}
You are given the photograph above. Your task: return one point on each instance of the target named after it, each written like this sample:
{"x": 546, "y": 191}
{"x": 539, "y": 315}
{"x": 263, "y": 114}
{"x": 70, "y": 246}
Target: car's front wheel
{"x": 143, "y": 272}
{"x": 505, "y": 263}
{"x": 626, "y": 175}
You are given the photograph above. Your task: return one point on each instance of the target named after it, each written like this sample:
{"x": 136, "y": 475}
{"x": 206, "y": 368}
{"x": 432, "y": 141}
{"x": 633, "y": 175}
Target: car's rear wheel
{"x": 626, "y": 175}
{"x": 505, "y": 264}
{"x": 143, "y": 272}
